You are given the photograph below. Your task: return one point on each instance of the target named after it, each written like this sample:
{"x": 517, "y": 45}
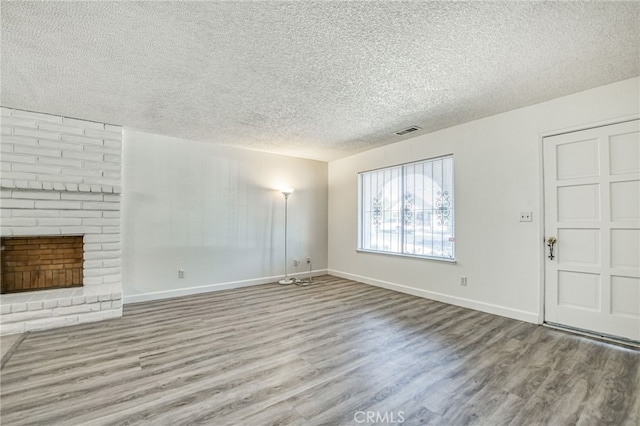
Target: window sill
{"x": 410, "y": 256}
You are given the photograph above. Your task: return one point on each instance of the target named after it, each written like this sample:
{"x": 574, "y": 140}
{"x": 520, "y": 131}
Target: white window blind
{"x": 408, "y": 209}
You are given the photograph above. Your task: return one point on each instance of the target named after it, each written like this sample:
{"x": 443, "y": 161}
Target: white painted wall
{"x": 213, "y": 212}
{"x": 498, "y": 174}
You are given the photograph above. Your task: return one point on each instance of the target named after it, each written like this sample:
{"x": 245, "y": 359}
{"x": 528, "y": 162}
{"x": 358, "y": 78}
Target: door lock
{"x": 551, "y": 241}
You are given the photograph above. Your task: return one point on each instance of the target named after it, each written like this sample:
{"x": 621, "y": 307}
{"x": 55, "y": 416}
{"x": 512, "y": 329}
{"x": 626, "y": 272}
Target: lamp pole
{"x": 286, "y": 193}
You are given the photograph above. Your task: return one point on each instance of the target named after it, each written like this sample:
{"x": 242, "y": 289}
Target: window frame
{"x": 402, "y": 166}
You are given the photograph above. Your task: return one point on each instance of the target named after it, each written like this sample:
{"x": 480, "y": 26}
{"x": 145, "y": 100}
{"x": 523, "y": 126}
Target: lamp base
{"x": 286, "y": 281}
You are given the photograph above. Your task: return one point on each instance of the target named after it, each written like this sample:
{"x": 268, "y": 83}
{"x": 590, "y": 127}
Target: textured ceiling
{"x": 319, "y": 80}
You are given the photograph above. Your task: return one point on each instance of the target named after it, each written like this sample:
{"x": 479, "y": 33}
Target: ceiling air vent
{"x": 407, "y": 130}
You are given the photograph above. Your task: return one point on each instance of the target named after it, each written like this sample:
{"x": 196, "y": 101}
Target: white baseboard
{"x": 503, "y": 311}
{"x": 166, "y": 294}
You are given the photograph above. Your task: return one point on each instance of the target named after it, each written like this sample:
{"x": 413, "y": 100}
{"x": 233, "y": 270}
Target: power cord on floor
{"x": 307, "y": 281}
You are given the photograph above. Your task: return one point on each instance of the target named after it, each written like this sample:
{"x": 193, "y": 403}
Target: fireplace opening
{"x": 41, "y": 263}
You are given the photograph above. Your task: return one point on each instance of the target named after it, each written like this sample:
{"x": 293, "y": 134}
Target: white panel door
{"x": 592, "y": 209}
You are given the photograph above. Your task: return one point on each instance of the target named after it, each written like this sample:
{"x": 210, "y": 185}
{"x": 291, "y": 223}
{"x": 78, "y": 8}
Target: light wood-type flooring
{"x": 335, "y": 353}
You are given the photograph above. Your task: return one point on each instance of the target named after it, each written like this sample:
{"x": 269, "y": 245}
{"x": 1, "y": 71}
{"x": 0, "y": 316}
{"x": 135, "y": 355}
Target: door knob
{"x": 551, "y": 241}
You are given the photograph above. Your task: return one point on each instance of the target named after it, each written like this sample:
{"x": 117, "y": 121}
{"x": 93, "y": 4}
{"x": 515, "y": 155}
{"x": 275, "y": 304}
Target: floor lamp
{"x": 286, "y": 192}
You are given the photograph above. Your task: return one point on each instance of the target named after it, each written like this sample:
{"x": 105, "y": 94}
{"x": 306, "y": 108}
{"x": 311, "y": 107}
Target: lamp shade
{"x": 286, "y": 191}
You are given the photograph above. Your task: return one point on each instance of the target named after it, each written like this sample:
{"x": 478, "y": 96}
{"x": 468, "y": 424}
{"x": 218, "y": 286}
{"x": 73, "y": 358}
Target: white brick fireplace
{"x": 62, "y": 176}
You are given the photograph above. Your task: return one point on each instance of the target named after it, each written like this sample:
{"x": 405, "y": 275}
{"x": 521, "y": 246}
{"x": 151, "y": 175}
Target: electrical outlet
{"x": 296, "y": 262}
{"x": 308, "y": 260}
{"x": 463, "y": 281}
{"x": 180, "y": 273}
{"x": 526, "y": 216}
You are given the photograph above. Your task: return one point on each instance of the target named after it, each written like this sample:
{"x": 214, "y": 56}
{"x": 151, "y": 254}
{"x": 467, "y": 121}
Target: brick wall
{"x": 62, "y": 176}
{"x": 41, "y": 151}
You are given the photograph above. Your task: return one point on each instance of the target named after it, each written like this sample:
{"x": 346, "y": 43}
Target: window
{"x": 408, "y": 209}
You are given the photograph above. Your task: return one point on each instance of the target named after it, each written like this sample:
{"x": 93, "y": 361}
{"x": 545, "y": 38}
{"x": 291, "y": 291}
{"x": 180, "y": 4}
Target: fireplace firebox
{"x": 41, "y": 263}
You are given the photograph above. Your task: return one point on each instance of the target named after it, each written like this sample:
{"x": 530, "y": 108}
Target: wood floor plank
{"x": 271, "y": 354}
